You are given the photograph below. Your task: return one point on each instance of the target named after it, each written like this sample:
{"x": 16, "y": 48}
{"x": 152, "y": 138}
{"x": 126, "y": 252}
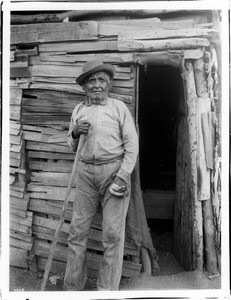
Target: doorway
{"x": 160, "y": 98}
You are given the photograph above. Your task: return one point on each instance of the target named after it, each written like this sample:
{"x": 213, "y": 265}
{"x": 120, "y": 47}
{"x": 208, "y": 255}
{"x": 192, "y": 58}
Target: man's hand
{"x": 119, "y": 181}
{"x": 81, "y": 127}
{"x": 118, "y": 188}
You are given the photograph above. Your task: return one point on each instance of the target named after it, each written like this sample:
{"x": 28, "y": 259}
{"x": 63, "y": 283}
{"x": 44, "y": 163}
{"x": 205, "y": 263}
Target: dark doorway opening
{"x": 160, "y": 95}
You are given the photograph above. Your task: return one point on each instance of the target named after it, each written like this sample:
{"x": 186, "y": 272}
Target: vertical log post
{"x": 191, "y": 100}
{"x": 207, "y": 211}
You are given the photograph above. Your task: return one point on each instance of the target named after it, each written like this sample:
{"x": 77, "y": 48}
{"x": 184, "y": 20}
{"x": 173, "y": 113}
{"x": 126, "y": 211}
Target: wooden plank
{"x": 50, "y": 155}
{"x": 164, "y": 34}
{"x": 20, "y": 244}
{"x": 47, "y": 237}
{"x": 15, "y": 96}
{"x": 22, "y": 38}
{"x": 200, "y": 78}
{"x": 125, "y": 99}
{"x": 19, "y": 72}
{"x": 15, "y": 162}
{"x": 20, "y": 236}
{"x": 170, "y": 44}
{"x": 48, "y": 109}
{"x": 15, "y": 112}
{"x": 55, "y": 71}
{"x": 43, "y": 129}
{"x": 18, "y": 186}
{"x": 114, "y": 27}
{"x": 207, "y": 135}
{"x": 48, "y": 223}
{"x": 19, "y": 227}
{"x": 15, "y": 125}
{"x": 50, "y": 232}
{"x": 121, "y": 90}
{"x": 115, "y": 58}
{"x": 40, "y": 137}
{"x": 38, "y": 205}
{"x": 60, "y": 97}
{"x": 12, "y": 55}
{"x": 30, "y": 145}
{"x": 159, "y": 204}
{"x": 15, "y": 139}
{"x": 58, "y": 138}
{"x": 27, "y": 52}
{"x": 22, "y": 221}
{"x": 17, "y": 170}
{"x": 194, "y": 53}
{"x": 22, "y": 58}
{"x": 50, "y": 178}
{"x": 16, "y": 155}
{"x": 14, "y": 131}
{"x": 18, "y": 257}
{"x": 66, "y": 80}
{"x": 19, "y": 203}
{"x": 12, "y": 179}
{"x": 16, "y": 194}
{"x": 18, "y": 212}
{"x": 63, "y": 71}
{"x": 79, "y": 46}
{"x": 69, "y": 88}
{"x": 22, "y": 83}
{"x": 58, "y": 167}
{"x": 49, "y": 192}
{"x": 53, "y": 208}
{"x": 66, "y": 31}
{"x": 204, "y": 190}
{"x": 42, "y": 119}
{"x": 19, "y": 64}
{"x": 16, "y": 148}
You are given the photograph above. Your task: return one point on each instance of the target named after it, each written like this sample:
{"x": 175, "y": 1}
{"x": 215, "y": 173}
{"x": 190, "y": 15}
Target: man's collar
{"x": 88, "y": 102}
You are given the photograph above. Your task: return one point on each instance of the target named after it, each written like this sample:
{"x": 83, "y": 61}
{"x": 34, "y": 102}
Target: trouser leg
{"x": 114, "y": 215}
{"x": 85, "y": 207}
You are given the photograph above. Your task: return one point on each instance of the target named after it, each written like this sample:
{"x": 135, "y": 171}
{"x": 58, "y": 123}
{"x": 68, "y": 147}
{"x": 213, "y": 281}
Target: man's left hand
{"x": 118, "y": 188}
{"x": 119, "y": 181}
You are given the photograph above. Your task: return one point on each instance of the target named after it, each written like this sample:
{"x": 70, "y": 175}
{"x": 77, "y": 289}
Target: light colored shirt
{"x": 112, "y": 134}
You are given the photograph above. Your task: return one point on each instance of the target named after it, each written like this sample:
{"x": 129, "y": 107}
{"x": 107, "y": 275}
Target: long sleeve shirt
{"x": 112, "y": 134}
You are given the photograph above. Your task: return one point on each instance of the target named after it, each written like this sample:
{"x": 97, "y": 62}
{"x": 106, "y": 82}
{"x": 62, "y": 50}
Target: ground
{"x": 172, "y": 277}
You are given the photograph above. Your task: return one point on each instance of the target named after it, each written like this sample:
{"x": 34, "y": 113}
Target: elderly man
{"x": 108, "y": 157}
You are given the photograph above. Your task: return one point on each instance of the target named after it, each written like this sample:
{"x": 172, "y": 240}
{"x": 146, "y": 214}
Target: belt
{"x": 98, "y": 162}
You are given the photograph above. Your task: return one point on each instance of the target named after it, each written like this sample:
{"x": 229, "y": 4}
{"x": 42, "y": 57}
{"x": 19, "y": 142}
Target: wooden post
{"x": 191, "y": 100}
{"x": 208, "y": 224}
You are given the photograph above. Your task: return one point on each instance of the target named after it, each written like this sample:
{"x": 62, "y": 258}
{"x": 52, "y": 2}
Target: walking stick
{"x": 62, "y": 217}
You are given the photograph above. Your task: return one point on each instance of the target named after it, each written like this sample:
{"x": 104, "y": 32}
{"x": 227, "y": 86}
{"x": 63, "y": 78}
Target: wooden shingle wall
{"x": 43, "y": 112}
{"x": 45, "y": 60}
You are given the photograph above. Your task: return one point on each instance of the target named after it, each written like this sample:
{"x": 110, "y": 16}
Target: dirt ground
{"x": 172, "y": 277}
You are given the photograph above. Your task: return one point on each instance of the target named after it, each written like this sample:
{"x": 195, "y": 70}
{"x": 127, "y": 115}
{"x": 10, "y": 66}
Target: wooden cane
{"x": 62, "y": 217}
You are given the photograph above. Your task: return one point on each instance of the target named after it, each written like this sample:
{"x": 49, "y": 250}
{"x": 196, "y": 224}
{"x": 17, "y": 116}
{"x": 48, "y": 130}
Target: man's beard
{"x": 97, "y": 97}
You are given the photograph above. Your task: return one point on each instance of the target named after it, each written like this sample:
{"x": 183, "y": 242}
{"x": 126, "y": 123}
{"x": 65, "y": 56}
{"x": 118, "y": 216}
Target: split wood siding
{"x": 43, "y": 95}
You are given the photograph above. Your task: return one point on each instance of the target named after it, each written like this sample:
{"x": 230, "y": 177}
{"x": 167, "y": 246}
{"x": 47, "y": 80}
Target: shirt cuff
{"x": 123, "y": 175}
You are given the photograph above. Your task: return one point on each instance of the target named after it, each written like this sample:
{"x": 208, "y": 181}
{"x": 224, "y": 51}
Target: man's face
{"x": 97, "y": 86}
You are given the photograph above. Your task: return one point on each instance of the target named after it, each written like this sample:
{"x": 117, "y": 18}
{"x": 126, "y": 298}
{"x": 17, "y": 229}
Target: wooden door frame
{"x": 184, "y": 61}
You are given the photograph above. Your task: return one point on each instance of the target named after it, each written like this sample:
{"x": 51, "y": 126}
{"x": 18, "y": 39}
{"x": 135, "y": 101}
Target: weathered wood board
{"x": 18, "y": 257}
{"x": 49, "y": 32}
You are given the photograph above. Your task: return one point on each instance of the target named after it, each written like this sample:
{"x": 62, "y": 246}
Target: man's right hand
{"x": 81, "y": 127}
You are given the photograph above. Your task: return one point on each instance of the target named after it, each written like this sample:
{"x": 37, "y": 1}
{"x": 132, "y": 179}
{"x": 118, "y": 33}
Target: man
{"x": 108, "y": 157}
